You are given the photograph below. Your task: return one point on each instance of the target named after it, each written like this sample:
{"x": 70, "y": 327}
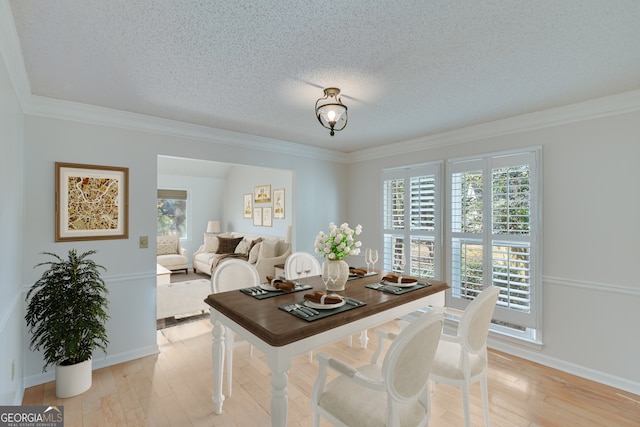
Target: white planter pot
{"x": 72, "y": 380}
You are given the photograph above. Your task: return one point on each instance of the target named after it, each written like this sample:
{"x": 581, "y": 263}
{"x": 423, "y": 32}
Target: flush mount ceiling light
{"x": 330, "y": 110}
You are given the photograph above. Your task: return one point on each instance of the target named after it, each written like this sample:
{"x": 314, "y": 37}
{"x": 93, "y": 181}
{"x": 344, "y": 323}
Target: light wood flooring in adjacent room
{"x": 174, "y": 387}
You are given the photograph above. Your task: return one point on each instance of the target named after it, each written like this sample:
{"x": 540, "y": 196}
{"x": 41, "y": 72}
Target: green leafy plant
{"x": 66, "y": 312}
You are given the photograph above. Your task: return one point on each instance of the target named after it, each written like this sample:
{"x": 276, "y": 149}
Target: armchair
{"x": 171, "y": 255}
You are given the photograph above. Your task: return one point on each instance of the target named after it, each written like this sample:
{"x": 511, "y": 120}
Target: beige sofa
{"x": 264, "y": 252}
{"x": 171, "y": 255}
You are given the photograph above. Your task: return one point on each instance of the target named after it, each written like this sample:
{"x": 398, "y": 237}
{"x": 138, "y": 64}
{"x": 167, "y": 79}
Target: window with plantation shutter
{"x": 411, "y": 220}
{"x": 494, "y": 235}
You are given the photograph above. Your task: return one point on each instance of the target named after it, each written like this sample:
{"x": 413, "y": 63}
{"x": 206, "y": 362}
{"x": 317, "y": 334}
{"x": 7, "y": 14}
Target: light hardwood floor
{"x": 174, "y": 387}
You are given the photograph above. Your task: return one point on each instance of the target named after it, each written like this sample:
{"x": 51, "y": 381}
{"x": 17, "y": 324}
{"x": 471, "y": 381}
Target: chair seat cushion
{"x": 446, "y": 363}
{"x": 355, "y": 405}
{"x": 173, "y": 261}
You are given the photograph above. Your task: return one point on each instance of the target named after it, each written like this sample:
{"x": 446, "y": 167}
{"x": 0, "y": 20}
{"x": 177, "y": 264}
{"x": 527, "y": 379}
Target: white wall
{"x": 11, "y": 301}
{"x": 591, "y": 235}
{"x": 205, "y": 203}
{"x": 131, "y": 270}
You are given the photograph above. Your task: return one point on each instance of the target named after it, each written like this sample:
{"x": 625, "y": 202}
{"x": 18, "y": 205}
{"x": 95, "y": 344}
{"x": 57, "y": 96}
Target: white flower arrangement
{"x": 339, "y": 243}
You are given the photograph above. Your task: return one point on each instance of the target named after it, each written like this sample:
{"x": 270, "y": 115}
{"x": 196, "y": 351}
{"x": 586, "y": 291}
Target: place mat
{"x": 397, "y": 290}
{"x": 355, "y": 276}
{"x": 259, "y": 293}
{"x": 311, "y": 316}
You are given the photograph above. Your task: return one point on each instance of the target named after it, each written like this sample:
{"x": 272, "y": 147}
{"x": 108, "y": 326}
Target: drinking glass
{"x": 326, "y": 276}
{"x": 334, "y": 273}
{"x": 400, "y": 263}
{"x": 373, "y": 257}
{"x": 299, "y": 268}
{"x": 306, "y": 267}
{"x": 367, "y": 258}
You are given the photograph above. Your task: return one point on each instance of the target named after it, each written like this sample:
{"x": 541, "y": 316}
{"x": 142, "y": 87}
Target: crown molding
{"x": 625, "y": 102}
{"x": 85, "y": 113}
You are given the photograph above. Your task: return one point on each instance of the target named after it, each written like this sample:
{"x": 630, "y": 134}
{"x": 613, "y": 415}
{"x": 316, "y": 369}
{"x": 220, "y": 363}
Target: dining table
{"x": 270, "y": 322}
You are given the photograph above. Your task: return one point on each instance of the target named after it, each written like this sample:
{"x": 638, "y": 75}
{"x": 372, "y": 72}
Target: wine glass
{"x": 306, "y": 267}
{"x": 325, "y": 276}
{"x": 367, "y": 258}
{"x": 299, "y": 268}
{"x": 373, "y": 257}
{"x": 334, "y": 274}
{"x": 400, "y": 263}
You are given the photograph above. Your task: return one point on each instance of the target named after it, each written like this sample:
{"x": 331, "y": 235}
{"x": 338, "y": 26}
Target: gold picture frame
{"x": 92, "y": 202}
{"x": 262, "y": 194}
{"x": 247, "y": 205}
{"x": 267, "y": 217}
{"x": 278, "y": 203}
{"x": 257, "y": 217}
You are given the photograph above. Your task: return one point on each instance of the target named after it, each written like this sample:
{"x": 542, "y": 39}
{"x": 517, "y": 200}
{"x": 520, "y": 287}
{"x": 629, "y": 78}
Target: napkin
{"x": 320, "y": 297}
{"x": 392, "y": 278}
{"x": 357, "y": 271}
{"x": 283, "y": 285}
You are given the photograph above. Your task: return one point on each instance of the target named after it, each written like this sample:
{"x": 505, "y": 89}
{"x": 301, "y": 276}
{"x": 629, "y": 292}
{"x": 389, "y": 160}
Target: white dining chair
{"x": 461, "y": 360}
{"x": 294, "y": 266}
{"x": 233, "y": 274}
{"x": 394, "y": 394}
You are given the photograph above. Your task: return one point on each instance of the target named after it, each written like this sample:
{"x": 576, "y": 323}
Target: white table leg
{"x": 364, "y": 339}
{"x": 217, "y": 353}
{"x": 279, "y": 393}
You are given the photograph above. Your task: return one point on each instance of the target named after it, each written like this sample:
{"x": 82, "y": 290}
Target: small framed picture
{"x": 257, "y": 216}
{"x": 247, "y": 206}
{"x": 262, "y": 194}
{"x": 278, "y": 203}
{"x": 266, "y": 217}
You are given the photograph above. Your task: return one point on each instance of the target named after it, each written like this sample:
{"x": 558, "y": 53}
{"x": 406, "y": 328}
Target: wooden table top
{"x": 276, "y": 327}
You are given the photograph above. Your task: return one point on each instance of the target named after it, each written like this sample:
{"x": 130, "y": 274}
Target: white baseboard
{"x": 98, "y": 363}
{"x": 571, "y": 368}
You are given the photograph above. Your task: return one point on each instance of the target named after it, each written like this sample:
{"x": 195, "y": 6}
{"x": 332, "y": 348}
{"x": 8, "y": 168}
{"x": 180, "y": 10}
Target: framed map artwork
{"x": 92, "y": 202}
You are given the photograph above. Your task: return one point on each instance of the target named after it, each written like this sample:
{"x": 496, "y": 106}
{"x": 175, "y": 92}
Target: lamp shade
{"x": 213, "y": 226}
{"x": 330, "y": 111}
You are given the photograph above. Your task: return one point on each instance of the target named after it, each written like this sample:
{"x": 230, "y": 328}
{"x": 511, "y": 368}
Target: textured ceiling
{"x": 406, "y": 68}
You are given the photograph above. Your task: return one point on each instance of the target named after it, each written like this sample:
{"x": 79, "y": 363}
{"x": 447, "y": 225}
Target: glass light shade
{"x": 331, "y": 112}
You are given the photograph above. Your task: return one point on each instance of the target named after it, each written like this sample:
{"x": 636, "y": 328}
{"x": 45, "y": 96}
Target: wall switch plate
{"x": 144, "y": 242}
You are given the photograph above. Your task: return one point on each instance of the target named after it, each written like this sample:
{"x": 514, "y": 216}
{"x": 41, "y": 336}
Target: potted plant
{"x": 66, "y": 313}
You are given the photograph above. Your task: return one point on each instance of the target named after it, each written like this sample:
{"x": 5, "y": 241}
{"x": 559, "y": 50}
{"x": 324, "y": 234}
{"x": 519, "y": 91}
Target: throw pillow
{"x": 253, "y": 253}
{"x": 254, "y": 243}
{"x": 243, "y": 247}
{"x": 268, "y": 249}
{"x": 167, "y": 248}
{"x": 210, "y": 242}
{"x": 226, "y": 245}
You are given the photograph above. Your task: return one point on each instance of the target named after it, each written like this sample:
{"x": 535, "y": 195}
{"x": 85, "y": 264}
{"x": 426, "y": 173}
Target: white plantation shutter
{"x": 494, "y": 232}
{"x": 411, "y": 219}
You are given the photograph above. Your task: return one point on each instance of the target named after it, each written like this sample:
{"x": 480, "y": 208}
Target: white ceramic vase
{"x": 72, "y": 380}
{"x": 343, "y": 268}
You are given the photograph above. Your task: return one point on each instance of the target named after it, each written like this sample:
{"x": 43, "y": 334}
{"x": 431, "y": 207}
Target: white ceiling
{"x": 407, "y": 69}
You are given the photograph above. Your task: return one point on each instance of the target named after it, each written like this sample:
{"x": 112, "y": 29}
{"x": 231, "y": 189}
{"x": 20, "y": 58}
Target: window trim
{"x": 406, "y": 173}
{"x": 492, "y": 160}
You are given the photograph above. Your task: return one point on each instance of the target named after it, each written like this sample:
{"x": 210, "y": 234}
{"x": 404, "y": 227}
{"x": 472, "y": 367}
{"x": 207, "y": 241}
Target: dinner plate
{"x": 268, "y": 287}
{"x": 400, "y": 285}
{"x": 324, "y": 306}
